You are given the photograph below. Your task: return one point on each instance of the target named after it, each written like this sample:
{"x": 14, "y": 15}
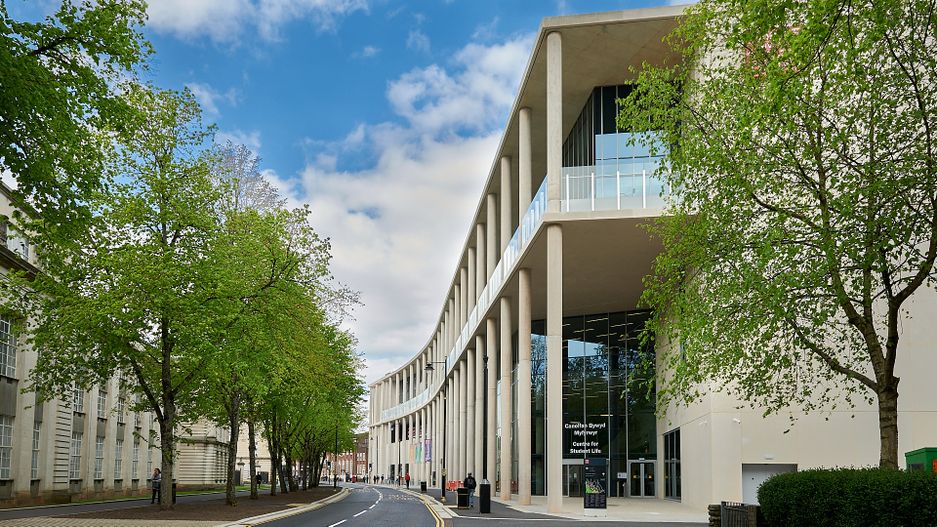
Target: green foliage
{"x": 850, "y": 498}
{"x": 801, "y": 153}
{"x": 60, "y": 94}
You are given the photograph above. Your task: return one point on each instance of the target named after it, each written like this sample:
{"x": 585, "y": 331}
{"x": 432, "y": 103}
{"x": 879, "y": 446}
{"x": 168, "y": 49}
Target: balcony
{"x": 597, "y": 188}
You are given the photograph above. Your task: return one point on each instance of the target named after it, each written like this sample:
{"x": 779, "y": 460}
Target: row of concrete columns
{"x": 463, "y": 433}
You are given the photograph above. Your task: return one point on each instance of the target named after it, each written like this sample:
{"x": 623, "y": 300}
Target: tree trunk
{"x": 888, "y": 426}
{"x": 167, "y": 444}
{"x": 234, "y": 419}
{"x": 252, "y": 452}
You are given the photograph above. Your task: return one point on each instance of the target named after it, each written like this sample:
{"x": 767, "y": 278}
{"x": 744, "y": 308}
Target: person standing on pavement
{"x": 470, "y": 483}
{"x": 407, "y": 478}
{"x": 155, "y": 482}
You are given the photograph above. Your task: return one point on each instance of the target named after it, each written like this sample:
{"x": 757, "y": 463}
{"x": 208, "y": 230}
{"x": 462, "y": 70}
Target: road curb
{"x": 434, "y": 504}
{"x": 278, "y": 515}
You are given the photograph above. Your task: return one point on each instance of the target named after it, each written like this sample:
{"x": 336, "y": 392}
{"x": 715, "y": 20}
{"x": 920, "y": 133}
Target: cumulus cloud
{"x": 239, "y": 137}
{"x": 418, "y": 41}
{"x": 208, "y": 97}
{"x": 397, "y": 225}
{"x": 225, "y": 20}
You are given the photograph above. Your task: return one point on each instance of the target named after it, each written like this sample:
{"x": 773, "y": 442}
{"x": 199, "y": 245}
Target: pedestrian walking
{"x": 407, "y": 477}
{"x": 470, "y": 483}
{"x": 156, "y": 483}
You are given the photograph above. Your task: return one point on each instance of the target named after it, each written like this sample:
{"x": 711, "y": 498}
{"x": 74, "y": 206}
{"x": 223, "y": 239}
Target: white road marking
{"x": 360, "y": 513}
{"x": 338, "y": 523}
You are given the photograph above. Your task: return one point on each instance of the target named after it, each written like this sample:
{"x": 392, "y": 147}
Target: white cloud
{"x": 418, "y": 41}
{"x": 208, "y": 97}
{"x": 366, "y": 52}
{"x": 225, "y": 20}
{"x": 397, "y": 225}
{"x": 249, "y": 139}
{"x": 473, "y": 98}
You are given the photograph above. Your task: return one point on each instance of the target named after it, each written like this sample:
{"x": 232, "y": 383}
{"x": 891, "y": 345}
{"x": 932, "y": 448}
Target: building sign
{"x": 428, "y": 450}
{"x": 585, "y": 439}
{"x": 596, "y": 470}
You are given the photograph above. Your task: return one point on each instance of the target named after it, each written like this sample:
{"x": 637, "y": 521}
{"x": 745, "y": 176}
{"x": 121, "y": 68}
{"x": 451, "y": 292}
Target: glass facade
{"x": 608, "y": 412}
{"x": 601, "y": 170}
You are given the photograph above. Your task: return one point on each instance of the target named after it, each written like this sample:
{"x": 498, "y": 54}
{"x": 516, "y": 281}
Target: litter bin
{"x": 462, "y": 498}
{"x": 484, "y": 497}
{"x": 174, "y": 492}
{"x": 423, "y": 487}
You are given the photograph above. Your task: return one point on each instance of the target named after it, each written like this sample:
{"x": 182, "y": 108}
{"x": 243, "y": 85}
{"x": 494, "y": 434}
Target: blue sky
{"x": 382, "y": 115}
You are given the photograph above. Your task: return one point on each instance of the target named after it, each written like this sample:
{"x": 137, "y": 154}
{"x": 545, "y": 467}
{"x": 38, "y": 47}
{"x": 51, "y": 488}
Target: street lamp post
{"x": 429, "y": 368}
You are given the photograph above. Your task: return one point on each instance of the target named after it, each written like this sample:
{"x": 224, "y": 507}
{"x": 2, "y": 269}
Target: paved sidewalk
{"x": 631, "y": 510}
{"x": 46, "y": 521}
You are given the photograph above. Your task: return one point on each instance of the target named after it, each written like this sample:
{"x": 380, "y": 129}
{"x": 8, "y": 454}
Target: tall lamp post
{"x": 445, "y": 368}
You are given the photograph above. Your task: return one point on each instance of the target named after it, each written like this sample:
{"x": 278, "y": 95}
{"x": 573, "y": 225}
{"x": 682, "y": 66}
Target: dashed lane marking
{"x": 338, "y": 523}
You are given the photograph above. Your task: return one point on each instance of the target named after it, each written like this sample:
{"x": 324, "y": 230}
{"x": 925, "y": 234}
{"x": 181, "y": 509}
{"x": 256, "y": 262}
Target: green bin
{"x": 922, "y": 459}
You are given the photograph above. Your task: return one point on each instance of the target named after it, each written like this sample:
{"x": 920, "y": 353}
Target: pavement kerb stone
{"x": 277, "y": 515}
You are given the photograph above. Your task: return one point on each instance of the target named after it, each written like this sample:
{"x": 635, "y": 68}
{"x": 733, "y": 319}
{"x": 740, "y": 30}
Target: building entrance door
{"x": 572, "y": 481}
{"x": 641, "y": 479}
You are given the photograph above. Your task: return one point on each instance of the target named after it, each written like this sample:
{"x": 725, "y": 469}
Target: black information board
{"x": 596, "y": 474}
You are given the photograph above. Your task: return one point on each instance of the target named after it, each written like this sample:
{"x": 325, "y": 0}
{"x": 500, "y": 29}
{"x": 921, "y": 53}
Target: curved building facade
{"x": 526, "y": 374}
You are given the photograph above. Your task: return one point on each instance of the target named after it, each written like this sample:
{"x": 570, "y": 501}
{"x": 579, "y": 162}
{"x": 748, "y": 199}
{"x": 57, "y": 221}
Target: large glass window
{"x": 7, "y": 348}
{"x": 78, "y": 399}
{"x": 99, "y": 457}
{"x": 74, "y": 459}
{"x": 6, "y": 446}
{"x": 601, "y": 170}
{"x": 608, "y": 407}
{"x": 34, "y": 467}
{"x": 672, "y": 464}
{"x": 102, "y": 403}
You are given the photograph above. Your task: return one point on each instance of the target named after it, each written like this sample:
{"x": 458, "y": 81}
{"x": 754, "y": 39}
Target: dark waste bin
{"x": 462, "y": 498}
{"x": 484, "y": 497}
{"x": 174, "y": 492}
{"x": 423, "y": 487}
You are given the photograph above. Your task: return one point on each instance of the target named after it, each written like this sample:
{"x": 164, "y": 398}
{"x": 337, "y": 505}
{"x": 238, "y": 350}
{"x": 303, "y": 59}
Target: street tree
{"x": 156, "y": 282}
{"x": 61, "y": 83}
{"x": 799, "y": 142}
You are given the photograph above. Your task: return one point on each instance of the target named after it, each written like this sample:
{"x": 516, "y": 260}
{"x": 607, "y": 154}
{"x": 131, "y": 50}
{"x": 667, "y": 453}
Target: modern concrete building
{"x": 523, "y": 376}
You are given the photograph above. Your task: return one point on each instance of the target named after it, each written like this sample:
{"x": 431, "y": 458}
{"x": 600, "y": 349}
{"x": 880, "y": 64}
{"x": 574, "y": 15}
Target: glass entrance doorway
{"x": 572, "y": 481}
{"x": 641, "y": 479}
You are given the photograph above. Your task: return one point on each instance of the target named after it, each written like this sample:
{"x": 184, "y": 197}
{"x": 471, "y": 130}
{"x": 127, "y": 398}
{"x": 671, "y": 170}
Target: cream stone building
{"x": 88, "y": 444}
{"x": 523, "y": 376}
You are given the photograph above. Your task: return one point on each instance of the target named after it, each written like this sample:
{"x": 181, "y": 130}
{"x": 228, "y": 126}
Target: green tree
{"x": 60, "y": 91}
{"x": 800, "y": 147}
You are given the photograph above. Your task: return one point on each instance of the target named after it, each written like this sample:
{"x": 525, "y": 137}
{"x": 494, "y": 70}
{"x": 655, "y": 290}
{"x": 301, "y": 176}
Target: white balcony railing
{"x": 588, "y": 189}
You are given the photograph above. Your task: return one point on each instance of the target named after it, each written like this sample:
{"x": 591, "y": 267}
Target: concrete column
{"x": 523, "y": 387}
{"x": 554, "y": 121}
{"x": 507, "y": 226}
{"x": 479, "y": 431}
{"x": 480, "y": 277}
{"x": 457, "y": 321}
{"x": 470, "y": 424}
{"x": 463, "y": 280}
{"x": 524, "y": 171}
{"x": 422, "y": 443}
{"x": 463, "y": 418}
{"x": 450, "y": 396}
{"x": 470, "y": 290}
{"x": 491, "y": 345}
{"x": 554, "y": 424}
{"x": 452, "y": 325}
{"x": 491, "y": 235}
{"x": 507, "y": 362}
{"x": 459, "y": 424}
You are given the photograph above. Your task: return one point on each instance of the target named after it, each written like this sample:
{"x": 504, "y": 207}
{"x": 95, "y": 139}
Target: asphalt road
{"x": 366, "y": 506}
{"x": 58, "y": 510}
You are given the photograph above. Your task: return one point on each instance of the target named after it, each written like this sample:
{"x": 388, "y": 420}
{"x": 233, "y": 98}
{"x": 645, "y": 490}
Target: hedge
{"x": 868, "y": 497}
